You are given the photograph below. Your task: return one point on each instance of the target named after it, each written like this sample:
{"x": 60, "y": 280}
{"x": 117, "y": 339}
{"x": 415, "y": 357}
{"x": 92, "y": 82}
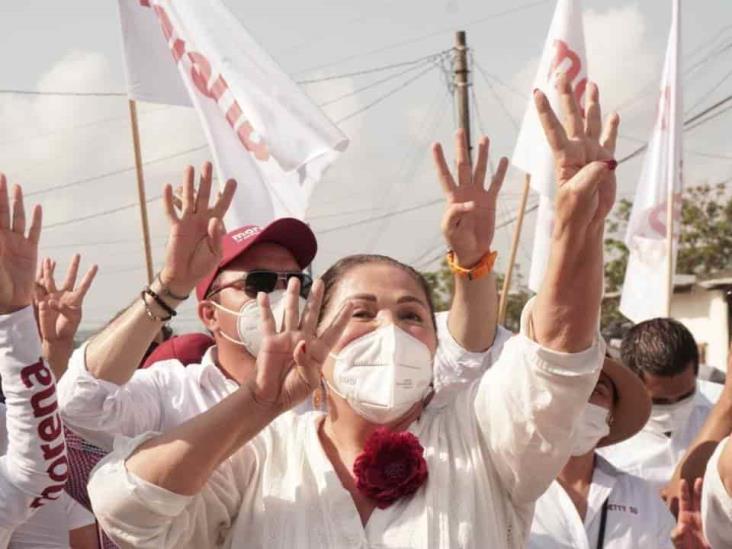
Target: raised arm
{"x": 469, "y": 225}
{"x": 193, "y": 250}
{"x": 60, "y": 315}
{"x": 717, "y": 426}
{"x": 34, "y": 468}
{"x": 181, "y": 461}
{"x": 567, "y": 311}
{"x": 528, "y": 403}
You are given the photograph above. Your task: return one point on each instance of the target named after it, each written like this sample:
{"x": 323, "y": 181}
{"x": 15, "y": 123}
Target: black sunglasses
{"x": 254, "y": 282}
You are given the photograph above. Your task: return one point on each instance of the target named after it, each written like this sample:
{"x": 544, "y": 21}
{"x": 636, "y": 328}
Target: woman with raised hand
{"x": 386, "y": 466}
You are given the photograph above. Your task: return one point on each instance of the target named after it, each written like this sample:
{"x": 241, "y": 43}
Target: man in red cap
{"x": 103, "y": 393}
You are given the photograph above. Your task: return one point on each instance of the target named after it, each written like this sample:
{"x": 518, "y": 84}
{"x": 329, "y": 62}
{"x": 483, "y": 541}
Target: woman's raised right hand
{"x": 289, "y": 362}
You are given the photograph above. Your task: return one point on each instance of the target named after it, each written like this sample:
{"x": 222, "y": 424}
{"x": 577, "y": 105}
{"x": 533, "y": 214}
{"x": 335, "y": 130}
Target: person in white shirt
{"x": 592, "y": 504}
{"x": 663, "y": 353}
{"x": 33, "y": 465}
{"x": 384, "y": 466}
{"x": 103, "y": 394}
{"x": 716, "y": 497}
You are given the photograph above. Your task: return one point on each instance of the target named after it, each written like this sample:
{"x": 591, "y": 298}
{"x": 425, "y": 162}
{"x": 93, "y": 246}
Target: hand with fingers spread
{"x": 194, "y": 244}
{"x": 289, "y": 362}
{"x": 469, "y": 222}
{"x": 688, "y": 533}
{"x": 18, "y": 250}
{"x": 583, "y": 154}
{"x": 59, "y": 310}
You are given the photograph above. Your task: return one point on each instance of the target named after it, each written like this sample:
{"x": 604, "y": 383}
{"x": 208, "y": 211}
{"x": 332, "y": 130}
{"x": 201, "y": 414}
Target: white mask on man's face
{"x": 669, "y": 418}
{"x": 383, "y": 374}
{"x": 249, "y": 320}
{"x": 593, "y": 426}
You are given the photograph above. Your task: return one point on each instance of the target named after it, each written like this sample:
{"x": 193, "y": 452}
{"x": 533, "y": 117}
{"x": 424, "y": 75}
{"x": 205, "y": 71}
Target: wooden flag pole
{"x": 503, "y": 303}
{"x": 670, "y": 250}
{"x": 141, "y": 190}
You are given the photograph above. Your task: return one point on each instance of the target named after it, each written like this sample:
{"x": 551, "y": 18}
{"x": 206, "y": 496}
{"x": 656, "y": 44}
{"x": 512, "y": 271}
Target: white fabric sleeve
{"x": 98, "y": 410}
{"x": 716, "y": 503}
{"x": 34, "y": 469}
{"x": 76, "y": 514}
{"x": 527, "y": 405}
{"x": 135, "y": 513}
{"x": 454, "y": 365}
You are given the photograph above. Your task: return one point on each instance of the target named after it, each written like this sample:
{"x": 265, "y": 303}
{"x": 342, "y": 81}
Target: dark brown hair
{"x": 342, "y": 267}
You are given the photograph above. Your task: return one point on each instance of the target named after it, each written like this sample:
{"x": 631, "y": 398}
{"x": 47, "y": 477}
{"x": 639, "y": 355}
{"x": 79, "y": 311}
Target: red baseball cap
{"x": 188, "y": 348}
{"x": 288, "y": 232}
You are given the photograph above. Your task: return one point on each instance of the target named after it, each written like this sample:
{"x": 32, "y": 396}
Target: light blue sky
{"x": 75, "y": 45}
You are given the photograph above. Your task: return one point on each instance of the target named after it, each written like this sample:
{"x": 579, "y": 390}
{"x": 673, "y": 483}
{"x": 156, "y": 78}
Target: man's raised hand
{"x": 194, "y": 244}
{"x": 18, "y": 249}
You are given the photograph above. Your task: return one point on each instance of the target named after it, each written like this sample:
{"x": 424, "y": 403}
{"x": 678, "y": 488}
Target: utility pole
{"x": 461, "y": 81}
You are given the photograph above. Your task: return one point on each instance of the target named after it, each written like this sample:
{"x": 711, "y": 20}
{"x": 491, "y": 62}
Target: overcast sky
{"x": 75, "y": 45}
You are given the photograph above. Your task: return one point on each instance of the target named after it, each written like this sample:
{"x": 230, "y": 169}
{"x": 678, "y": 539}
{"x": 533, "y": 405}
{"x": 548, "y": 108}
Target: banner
{"x": 262, "y": 129}
{"x": 646, "y": 291}
{"x": 564, "y": 53}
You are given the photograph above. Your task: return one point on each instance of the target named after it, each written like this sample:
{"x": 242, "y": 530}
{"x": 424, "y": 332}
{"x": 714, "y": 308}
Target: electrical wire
{"x": 387, "y": 95}
{"x": 113, "y": 172}
{"x": 63, "y": 93}
{"x": 99, "y": 214}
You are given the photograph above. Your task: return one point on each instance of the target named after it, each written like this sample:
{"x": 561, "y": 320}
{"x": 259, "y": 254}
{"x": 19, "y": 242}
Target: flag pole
{"x": 141, "y": 190}
{"x": 670, "y": 248}
{"x": 503, "y": 303}
{"x": 462, "y": 83}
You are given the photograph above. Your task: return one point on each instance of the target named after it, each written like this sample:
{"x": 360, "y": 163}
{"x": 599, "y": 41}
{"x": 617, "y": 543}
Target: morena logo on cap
{"x": 246, "y": 234}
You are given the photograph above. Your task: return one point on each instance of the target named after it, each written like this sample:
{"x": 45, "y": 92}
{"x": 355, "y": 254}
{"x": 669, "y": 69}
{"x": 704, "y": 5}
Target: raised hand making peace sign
{"x": 469, "y": 223}
{"x": 18, "y": 251}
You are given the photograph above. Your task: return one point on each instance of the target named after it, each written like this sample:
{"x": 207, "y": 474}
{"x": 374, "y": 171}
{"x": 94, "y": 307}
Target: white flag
{"x": 262, "y": 129}
{"x": 645, "y": 290}
{"x": 564, "y": 53}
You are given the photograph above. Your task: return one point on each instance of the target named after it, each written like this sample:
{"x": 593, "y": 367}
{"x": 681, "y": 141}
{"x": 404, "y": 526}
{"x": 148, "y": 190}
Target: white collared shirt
{"x": 456, "y": 366}
{"x": 154, "y": 399}
{"x": 636, "y": 516}
{"x": 716, "y": 503}
{"x": 653, "y": 456}
{"x": 490, "y": 455}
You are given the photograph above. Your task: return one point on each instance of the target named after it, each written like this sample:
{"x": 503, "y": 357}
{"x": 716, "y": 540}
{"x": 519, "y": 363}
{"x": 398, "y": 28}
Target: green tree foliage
{"x": 705, "y": 243}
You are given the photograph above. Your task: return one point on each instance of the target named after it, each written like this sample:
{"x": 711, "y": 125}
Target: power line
{"x": 380, "y": 68}
{"x": 100, "y": 214}
{"x": 113, "y": 172}
{"x": 423, "y": 36}
{"x": 384, "y": 216}
{"x": 63, "y": 93}
{"x": 373, "y": 84}
{"x": 387, "y": 95}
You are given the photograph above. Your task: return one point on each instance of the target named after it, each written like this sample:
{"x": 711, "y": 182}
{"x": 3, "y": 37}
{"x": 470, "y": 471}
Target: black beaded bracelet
{"x": 163, "y": 305}
{"x": 149, "y": 313}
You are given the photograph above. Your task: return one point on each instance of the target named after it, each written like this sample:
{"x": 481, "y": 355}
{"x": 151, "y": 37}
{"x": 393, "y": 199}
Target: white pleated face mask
{"x": 669, "y": 418}
{"x": 249, "y": 320}
{"x": 591, "y": 429}
{"x": 383, "y": 374}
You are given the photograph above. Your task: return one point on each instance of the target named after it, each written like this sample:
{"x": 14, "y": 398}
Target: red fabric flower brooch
{"x": 391, "y": 466}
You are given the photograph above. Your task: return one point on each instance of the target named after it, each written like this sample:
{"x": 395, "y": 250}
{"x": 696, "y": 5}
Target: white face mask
{"x": 591, "y": 429}
{"x": 383, "y": 374}
{"x": 669, "y": 418}
{"x": 249, "y": 320}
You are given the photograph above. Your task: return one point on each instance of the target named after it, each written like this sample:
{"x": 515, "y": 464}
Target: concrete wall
{"x": 704, "y": 312}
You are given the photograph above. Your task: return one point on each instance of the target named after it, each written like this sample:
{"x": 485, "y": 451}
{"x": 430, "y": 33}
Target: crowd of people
{"x": 345, "y": 411}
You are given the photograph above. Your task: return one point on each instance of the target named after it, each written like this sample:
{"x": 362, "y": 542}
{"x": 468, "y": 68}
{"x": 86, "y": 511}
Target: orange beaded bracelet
{"x": 480, "y": 269}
